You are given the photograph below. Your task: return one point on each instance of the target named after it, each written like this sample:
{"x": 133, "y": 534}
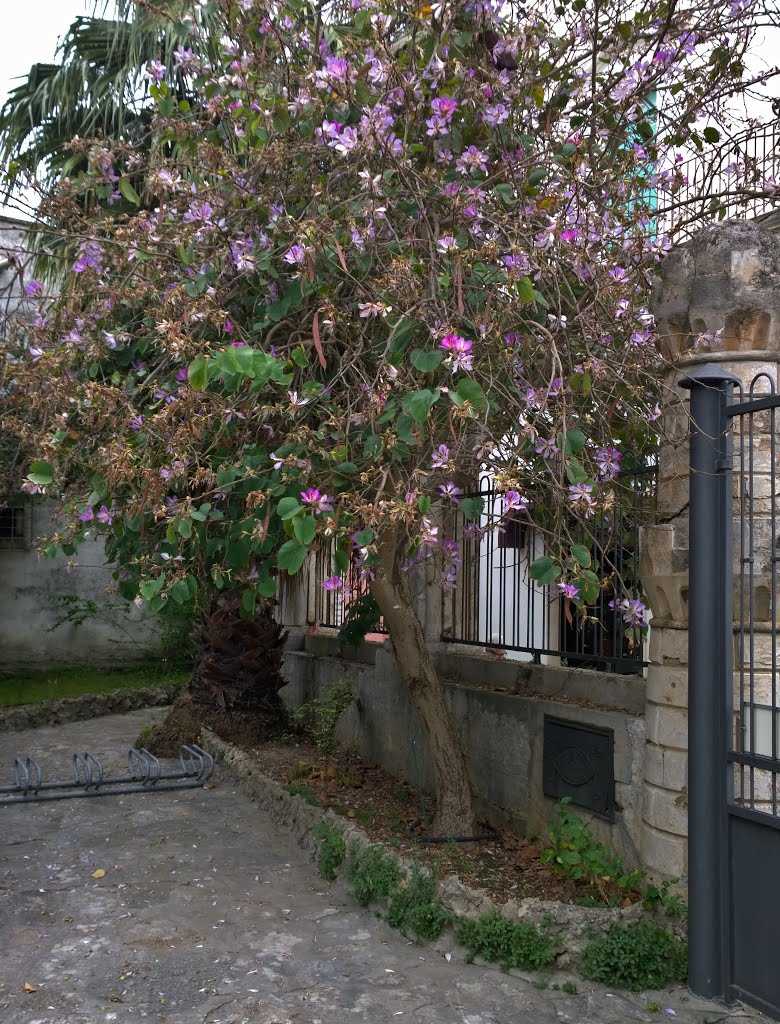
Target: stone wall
{"x": 499, "y": 708}
{"x": 30, "y": 591}
{"x": 723, "y": 284}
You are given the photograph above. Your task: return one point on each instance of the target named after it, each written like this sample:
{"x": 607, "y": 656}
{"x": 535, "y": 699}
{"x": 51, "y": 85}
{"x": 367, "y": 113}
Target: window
{"x": 14, "y": 526}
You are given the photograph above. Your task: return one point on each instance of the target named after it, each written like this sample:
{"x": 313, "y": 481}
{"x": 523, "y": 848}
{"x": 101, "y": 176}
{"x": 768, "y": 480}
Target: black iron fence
{"x": 496, "y": 604}
{"x": 737, "y": 178}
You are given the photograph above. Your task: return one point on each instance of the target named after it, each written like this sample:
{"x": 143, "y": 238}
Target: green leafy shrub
{"x": 319, "y": 717}
{"x": 512, "y": 944}
{"x": 574, "y": 852}
{"x": 415, "y": 908}
{"x": 569, "y": 988}
{"x": 332, "y": 850}
{"x": 298, "y": 789}
{"x": 372, "y": 874}
{"x": 672, "y": 905}
{"x": 636, "y": 957}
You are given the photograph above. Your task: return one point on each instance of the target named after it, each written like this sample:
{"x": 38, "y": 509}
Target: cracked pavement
{"x": 208, "y": 913}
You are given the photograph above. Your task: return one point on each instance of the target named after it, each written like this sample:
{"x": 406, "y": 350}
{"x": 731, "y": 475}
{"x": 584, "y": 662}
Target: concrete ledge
{"x": 75, "y": 709}
{"x": 576, "y": 925}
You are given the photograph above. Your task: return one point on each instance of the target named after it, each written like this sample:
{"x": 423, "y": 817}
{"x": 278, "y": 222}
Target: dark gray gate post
{"x": 710, "y": 653}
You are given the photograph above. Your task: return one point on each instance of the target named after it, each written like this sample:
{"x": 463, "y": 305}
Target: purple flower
{"x": 429, "y": 535}
{"x": 608, "y": 460}
{"x": 546, "y": 447}
{"x": 295, "y": 255}
{"x": 440, "y": 457}
{"x": 136, "y": 422}
{"x": 33, "y": 288}
{"x": 87, "y": 515}
{"x": 319, "y": 503}
{"x": 333, "y": 583}
{"x": 90, "y": 255}
{"x": 619, "y": 274}
{"x": 568, "y": 590}
{"x": 514, "y": 500}
{"x": 517, "y": 263}
{"x": 447, "y": 244}
{"x": 444, "y": 107}
{"x": 182, "y": 374}
{"x": 227, "y": 327}
{"x": 580, "y": 494}
{"x": 450, "y": 491}
{"x": 155, "y": 70}
{"x": 496, "y": 114}
{"x": 104, "y": 516}
{"x": 472, "y": 161}
{"x": 570, "y": 235}
{"x": 633, "y": 610}
{"x": 459, "y": 354}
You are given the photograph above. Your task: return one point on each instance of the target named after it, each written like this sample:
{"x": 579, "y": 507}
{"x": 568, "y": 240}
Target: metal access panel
{"x": 578, "y": 761}
{"x": 755, "y": 910}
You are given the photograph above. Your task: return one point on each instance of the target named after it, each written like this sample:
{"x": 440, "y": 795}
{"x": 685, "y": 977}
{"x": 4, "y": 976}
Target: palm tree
{"x": 99, "y": 89}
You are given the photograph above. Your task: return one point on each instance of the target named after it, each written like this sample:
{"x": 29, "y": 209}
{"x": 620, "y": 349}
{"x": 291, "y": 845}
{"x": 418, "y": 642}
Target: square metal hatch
{"x": 578, "y": 761}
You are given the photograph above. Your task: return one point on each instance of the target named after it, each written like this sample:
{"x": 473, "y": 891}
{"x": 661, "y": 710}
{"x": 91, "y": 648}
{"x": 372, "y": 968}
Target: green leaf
{"x": 347, "y": 468}
{"x": 184, "y": 527}
{"x": 468, "y": 390}
{"x": 525, "y": 289}
{"x": 576, "y": 472}
{"x": 581, "y": 555}
{"x": 537, "y": 177}
{"x": 292, "y": 555}
{"x": 424, "y": 504}
{"x": 305, "y": 528}
{"x": 267, "y": 587}
{"x": 574, "y": 442}
{"x": 427, "y": 360}
{"x": 363, "y": 538}
{"x": 400, "y": 337}
{"x": 472, "y": 508}
{"x": 197, "y": 373}
{"x": 404, "y": 427}
{"x": 711, "y": 135}
{"x": 180, "y": 592}
{"x": 544, "y": 570}
{"x": 237, "y": 553}
{"x": 248, "y": 601}
{"x": 41, "y": 473}
{"x": 129, "y": 192}
{"x": 288, "y": 508}
{"x": 340, "y": 560}
{"x": 418, "y": 404}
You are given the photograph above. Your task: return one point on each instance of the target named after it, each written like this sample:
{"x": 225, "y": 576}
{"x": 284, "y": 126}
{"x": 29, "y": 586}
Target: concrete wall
{"x": 30, "y": 586}
{"x": 499, "y": 708}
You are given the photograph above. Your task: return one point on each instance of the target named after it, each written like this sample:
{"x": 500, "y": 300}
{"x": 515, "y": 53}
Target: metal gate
{"x": 734, "y": 706}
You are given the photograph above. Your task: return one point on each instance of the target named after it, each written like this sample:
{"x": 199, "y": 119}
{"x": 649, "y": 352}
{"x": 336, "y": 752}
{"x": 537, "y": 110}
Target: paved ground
{"x": 209, "y": 914}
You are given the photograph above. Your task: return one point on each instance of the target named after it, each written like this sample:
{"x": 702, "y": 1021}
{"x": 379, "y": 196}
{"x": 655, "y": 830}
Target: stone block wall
{"x": 723, "y": 284}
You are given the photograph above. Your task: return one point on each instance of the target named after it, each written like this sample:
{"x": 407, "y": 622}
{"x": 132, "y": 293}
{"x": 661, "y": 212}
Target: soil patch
{"x": 187, "y": 718}
{"x": 395, "y": 813}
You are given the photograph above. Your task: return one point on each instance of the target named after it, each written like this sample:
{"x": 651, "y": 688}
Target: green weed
{"x": 415, "y": 908}
{"x": 494, "y": 937}
{"x": 332, "y": 850}
{"x": 372, "y": 874}
{"x": 636, "y": 957}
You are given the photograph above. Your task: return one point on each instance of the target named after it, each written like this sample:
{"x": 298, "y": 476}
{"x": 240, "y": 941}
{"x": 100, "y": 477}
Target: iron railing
{"x": 495, "y": 603}
{"x": 726, "y": 182}
{"x": 329, "y": 608}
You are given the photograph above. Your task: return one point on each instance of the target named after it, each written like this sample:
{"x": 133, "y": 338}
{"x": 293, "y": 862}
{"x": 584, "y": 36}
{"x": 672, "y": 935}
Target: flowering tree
{"x": 388, "y": 248}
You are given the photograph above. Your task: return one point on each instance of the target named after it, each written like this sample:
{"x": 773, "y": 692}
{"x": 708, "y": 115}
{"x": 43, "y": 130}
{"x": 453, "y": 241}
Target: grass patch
{"x": 37, "y": 687}
{"x": 303, "y": 791}
{"x": 332, "y": 850}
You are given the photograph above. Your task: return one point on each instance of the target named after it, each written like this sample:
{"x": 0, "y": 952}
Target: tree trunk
{"x": 454, "y": 803}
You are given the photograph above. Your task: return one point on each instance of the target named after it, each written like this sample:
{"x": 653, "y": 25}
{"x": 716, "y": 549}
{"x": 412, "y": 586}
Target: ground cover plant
{"x": 79, "y": 681}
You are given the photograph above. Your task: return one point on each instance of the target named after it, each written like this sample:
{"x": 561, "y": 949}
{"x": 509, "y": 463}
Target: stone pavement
{"x": 209, "y": 914}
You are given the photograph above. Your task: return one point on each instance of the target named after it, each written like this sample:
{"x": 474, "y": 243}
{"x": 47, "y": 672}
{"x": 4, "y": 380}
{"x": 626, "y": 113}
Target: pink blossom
{"x": 440, "y": 457}
{"x": 104, "y": 516}
{"x": 33, "y": 288}
{"x": 459, "y": 354}
{"x": 450, "y": 491}
{"x": 514, "y": 500}
{"x": 333, "y": 583}
{"x": 319, "y": 503}
{"x": 87, "y": 515}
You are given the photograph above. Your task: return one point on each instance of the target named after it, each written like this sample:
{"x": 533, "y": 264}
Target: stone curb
{"x": 576, "y": 925}
{"x": 75, "y": 709}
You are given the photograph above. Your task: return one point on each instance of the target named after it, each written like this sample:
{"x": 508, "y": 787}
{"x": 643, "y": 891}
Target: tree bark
{"x": 454, "y": 802}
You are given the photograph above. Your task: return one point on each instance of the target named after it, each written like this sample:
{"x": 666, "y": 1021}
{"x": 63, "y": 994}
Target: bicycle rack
{"x": 144, "y": 775}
